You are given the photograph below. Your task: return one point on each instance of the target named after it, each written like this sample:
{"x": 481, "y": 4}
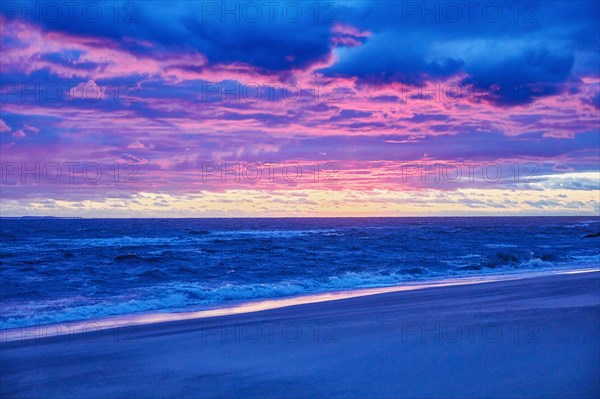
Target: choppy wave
{"x": 67, "y": 270}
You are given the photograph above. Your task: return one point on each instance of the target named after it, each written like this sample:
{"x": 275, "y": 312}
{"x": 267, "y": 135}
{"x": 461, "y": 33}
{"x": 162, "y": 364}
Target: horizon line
{"x": 295, "y": 217}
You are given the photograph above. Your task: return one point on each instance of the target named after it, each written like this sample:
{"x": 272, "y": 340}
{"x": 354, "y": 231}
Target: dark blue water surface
{"x": 56, "y": 270}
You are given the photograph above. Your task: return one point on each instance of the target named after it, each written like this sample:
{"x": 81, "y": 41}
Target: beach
{"x": 300, "y": 199}
{"x": 532, "y": 337}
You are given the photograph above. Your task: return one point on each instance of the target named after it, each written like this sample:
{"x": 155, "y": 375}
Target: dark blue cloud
{"x": 420, "y": 118}
{"x": 520, "y": 78}
{"x": 388, "y": 58}
{"x": 515, "y": 52}
{"x": 282, "y": 38}
{"x": 529, "y": 50}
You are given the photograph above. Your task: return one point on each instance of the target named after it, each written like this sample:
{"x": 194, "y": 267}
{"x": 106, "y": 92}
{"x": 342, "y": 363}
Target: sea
{"x": 55, "y": 270}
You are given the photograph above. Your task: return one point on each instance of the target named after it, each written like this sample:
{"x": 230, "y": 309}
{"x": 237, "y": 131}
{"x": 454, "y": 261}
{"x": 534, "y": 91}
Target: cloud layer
{"x": 162, "y": 98}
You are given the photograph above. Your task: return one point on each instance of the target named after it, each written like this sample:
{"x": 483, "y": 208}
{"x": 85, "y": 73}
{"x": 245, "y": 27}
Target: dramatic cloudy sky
{"x": 300, "y": 108}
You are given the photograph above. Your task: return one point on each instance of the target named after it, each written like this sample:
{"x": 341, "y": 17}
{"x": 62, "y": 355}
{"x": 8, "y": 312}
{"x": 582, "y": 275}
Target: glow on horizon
{"x": 321, "y": 203}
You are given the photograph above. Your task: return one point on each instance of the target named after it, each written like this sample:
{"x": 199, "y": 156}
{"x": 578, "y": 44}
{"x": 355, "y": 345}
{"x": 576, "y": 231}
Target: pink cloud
{"x": 347, "y": 35}
{"x": 4, "y": 127}
{"x": 136, "y": 145}
{"x": 109, "y": 58}
{"x": 349, "y": 30}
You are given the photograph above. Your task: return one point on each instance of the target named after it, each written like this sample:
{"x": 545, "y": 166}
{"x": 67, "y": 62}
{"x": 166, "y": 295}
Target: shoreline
{"x": 522, "y": 338}
{"x": 88, "y": 326}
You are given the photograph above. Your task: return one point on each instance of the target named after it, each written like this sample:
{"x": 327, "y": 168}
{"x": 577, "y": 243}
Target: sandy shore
{"x": 535, "y": 337}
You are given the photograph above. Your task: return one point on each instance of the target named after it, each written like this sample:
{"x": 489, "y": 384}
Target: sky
{"x": 273, "y": 108}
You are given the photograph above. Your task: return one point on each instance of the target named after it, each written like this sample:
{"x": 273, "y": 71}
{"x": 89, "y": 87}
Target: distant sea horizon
{"x": 300, "y": 217}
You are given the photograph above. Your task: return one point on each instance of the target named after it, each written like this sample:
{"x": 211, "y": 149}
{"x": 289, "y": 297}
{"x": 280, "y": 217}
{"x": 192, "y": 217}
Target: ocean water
{"x": 56, "y": 270}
